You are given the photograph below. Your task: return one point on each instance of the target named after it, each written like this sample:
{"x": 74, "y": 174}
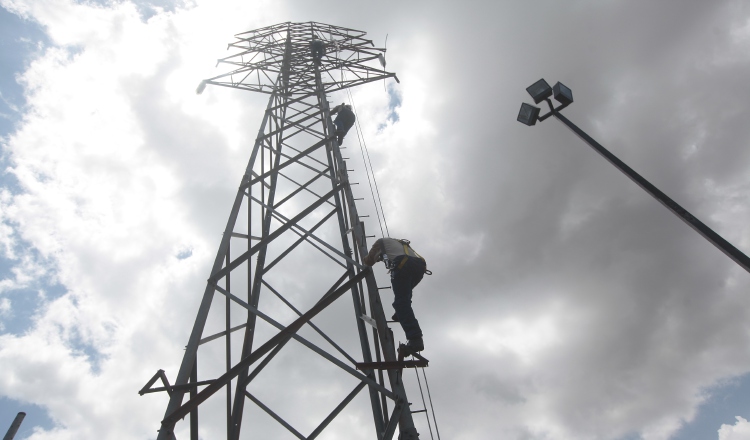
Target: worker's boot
{"x": 394, "y": 318}
{"x": 415, "y": 345}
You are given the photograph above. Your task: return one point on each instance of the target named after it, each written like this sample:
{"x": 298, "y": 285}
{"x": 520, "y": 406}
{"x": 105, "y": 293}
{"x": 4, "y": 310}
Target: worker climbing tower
{"x": 272, "y": 319}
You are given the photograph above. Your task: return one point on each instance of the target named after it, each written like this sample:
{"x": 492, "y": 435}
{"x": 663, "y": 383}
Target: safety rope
{"x": 424, "y": 405}
{"x": 370, "y": 172}
{"x": 432, "y": 408}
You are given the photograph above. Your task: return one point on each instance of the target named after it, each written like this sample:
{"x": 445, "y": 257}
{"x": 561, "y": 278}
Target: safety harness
{"x": 405, "y": 243}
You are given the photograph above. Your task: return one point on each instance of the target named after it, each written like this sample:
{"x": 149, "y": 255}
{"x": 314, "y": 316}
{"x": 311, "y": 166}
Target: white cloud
{"x": 102, "y": 207}
{"x": 738, "y": 431}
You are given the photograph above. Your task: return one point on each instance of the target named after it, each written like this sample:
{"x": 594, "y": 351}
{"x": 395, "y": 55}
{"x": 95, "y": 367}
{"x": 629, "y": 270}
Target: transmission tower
{"x": 292, "y": 246}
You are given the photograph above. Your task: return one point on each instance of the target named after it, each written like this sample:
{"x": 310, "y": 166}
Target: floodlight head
{"x": 540, "y": 91}
{"x": 528, "y": 114}
{"x": 562, "y": 93}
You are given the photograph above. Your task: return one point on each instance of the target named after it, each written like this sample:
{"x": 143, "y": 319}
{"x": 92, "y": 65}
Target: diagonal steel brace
{"x": 284, "y": 335}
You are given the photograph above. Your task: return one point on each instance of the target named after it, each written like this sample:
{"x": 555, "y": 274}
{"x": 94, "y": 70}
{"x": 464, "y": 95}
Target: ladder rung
{"x": 369, "y": 320}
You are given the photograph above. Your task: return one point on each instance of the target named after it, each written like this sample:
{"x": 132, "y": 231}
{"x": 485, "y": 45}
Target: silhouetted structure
{"x": 293, "y": 243}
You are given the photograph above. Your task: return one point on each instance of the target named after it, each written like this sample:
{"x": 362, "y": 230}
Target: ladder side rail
{"x": 335, "y": 162}
{"x": 376, "y": 307}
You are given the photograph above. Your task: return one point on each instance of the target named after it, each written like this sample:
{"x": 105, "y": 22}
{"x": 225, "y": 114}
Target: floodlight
{"x": 201, "y": 87}
{"x": 540, "y": 91}
{"x": 528, "y": 114}
{"x": 563, "y": 94}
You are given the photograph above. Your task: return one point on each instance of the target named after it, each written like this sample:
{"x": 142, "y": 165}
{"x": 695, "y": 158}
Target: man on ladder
{"x": 407, "y": 269}
{"x": 318, "y": 50}
{"x": 344, "y": 120}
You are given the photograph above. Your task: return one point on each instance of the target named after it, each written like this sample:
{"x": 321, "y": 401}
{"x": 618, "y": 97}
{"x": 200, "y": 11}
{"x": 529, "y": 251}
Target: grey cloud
{"x": 492, "y": 387}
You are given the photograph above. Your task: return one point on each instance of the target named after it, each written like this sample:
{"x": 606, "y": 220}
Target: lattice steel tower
{"x": 293, "y": 242}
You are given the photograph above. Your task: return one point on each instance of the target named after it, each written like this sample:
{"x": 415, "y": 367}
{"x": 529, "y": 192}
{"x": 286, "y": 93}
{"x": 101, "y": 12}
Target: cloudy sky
{"x": 566, "y": 303}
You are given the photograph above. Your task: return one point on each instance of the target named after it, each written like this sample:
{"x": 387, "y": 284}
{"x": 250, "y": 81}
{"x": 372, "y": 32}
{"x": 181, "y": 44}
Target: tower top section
{"x": 286, "y": 58}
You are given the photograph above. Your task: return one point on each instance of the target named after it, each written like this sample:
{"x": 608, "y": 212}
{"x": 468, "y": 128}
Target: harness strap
{"x": 403, "y": 261}
{"x": 408, "y": 248}
{"x": 405, "y": 244}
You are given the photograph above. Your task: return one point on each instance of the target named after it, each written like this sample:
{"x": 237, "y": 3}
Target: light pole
{"x": 529, "y": 115}
{"x": 14, "y": 426}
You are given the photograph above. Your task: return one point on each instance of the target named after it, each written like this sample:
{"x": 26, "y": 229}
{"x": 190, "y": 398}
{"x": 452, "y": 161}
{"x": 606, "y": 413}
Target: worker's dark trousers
{"x": 403, "y": 282}
{"x": 343, "y": 122}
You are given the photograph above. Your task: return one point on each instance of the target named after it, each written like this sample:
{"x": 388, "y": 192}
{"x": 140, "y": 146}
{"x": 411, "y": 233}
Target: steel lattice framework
{"x": 293, "y": 236}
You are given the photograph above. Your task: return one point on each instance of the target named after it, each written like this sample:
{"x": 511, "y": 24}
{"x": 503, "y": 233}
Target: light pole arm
{"x": 715, "y": 239}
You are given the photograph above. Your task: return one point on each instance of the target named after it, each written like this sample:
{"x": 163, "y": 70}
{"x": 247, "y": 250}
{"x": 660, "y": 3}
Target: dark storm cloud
{"x": 662, "y": 86}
